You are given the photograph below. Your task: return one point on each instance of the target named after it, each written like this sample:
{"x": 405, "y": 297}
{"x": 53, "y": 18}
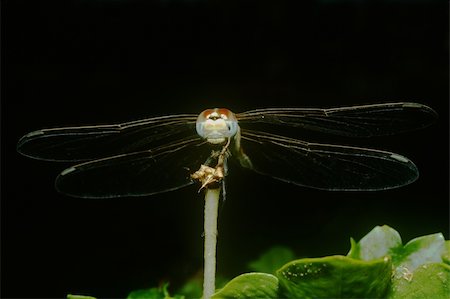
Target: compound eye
{"x": 216, "y": 124}
{"x": 205, "y": 114}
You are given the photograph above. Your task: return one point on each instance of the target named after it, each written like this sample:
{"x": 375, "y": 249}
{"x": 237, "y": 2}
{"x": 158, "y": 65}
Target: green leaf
{"x": 418, "y": 272}
{"x": 376, "y": 266}
{"x": 384, "y": 240}
{"x": 335, "y": 277}
{"x": 153, "y": 293}
{"x": 250, "y": 285}
{"x": 446, "y": 253}
{"x": 419, "y": 251}
{"x": 414, "y": 264}
{"x": 376, "y": 244}
{"x": 272, "y": 259}
{"x": 70, "y": 296}
{"x": 427, "y": 281}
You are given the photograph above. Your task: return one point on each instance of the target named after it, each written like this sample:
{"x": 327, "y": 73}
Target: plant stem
{"x": 210, "y": 227}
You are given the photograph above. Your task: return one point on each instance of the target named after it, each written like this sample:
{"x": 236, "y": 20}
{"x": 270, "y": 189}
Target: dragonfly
{"x": 161, "y": 154}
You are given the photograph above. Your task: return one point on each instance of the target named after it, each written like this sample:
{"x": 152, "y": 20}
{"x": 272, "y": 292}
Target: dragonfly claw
{"x": 208, "y": 176}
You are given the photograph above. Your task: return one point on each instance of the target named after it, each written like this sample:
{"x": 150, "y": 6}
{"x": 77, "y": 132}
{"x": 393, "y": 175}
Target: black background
{"x": 86, "y": 62}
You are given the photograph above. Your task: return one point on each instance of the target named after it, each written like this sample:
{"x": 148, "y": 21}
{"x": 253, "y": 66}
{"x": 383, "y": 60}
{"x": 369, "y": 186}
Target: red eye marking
{"x": 206, "y": 113}
{"x": 224, "y": 111}
{"x": 220, "y": 112}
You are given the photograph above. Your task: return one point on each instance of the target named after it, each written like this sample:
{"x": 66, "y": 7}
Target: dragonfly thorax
{"x": 216, "y": 125}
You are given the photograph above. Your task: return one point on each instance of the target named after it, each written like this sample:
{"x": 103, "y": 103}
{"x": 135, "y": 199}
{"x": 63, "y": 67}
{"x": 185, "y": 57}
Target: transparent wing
{"x": 136, "y": 174}
{"x": 356, "y": 121}
{"x": 323, "y": 166}
{"x": 92, "y": 142}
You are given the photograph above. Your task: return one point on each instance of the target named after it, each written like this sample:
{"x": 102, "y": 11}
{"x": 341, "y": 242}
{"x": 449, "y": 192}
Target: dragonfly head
{"x": 216, "y": 125}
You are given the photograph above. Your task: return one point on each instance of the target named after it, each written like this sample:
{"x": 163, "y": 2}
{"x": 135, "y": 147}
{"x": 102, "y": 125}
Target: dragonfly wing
{"x": 136, "y": 174}
{"x": 323, "y": 166}
{"x": 355, "y": 121}
{"x": 92, "y": 142}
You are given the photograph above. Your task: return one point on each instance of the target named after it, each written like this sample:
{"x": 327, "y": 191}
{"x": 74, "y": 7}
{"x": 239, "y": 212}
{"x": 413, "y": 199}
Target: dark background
{"x": 86, "y": 62}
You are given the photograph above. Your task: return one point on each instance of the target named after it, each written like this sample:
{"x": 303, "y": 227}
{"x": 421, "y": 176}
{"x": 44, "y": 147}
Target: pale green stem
{"x": 210, "y": 226}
